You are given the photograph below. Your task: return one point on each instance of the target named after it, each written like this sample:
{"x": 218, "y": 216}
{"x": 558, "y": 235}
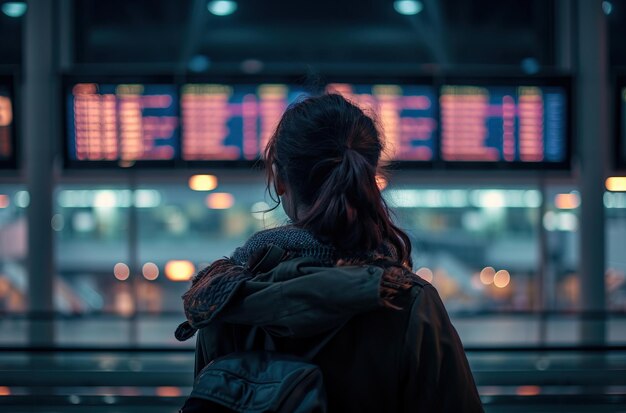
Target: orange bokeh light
{"x": 220, "y": 200}
{"x": 501, "y": 279}
{"x": 4, "y": 201}
{"x": 203, "y": 182}
{"x": 616, "y": 184}
{"x": 179, "y": 270}
{"x": 150, "y": 271}
{"x": 168, "y": 391}
{"x": 528, "y": 390}
{"x": 486, "y": 275}
{"x": 121, "y": 271}
{"x": 567, "y": 201}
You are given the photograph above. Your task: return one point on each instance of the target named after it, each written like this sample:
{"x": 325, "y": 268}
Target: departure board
{"x": 464, "y": 122}
{"x": 231, "y": 122}
{"x": 406, "y": 114}
{"x": 124, "y": 123}
{"x": 508, "y": 124}
{"x": 7, "y": 150}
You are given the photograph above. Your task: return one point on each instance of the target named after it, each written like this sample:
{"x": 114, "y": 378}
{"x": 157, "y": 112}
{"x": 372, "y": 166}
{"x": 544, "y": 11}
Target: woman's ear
{"x": 278, "y": 183}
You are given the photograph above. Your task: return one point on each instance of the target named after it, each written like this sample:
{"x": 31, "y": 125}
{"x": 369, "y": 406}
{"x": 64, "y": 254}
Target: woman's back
{"x": 388, "y": 343}
{"x": 404, "y": 356}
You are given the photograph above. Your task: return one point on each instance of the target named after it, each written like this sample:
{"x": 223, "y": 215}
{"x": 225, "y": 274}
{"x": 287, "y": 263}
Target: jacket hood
{"x": 300, "y": 298}
{"x": 297, "y": 297}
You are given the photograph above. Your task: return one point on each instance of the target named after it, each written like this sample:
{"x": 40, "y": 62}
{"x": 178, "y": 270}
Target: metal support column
{"x": 592, "y": 123}
{"x": 40, "y": 127}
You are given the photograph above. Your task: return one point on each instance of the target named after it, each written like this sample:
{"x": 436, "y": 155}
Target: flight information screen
{"x": 406, "y": 114}
{"x": 122, "y": 122}
{"x": 7, "y": 152}
{"x": 469, "y": 122}
{"x": 516, "y": 124}
{"x": 230, "y": 122}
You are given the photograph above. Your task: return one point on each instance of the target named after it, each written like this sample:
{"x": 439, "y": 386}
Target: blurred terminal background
{"x": 129, "y": 134}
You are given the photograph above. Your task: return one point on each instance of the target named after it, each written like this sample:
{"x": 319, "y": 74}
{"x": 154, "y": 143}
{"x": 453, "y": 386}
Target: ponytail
{"x": 327, "y": 152}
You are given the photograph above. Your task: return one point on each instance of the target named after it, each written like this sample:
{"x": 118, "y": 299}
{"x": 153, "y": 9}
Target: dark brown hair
{"x": 326, "y": 150}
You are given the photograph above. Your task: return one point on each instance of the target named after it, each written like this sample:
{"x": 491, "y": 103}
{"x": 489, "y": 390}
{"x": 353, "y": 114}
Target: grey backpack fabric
{"x": 258, "y": 382}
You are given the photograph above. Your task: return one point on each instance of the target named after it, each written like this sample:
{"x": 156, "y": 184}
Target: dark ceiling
{"x": 321, "y": 32}
{"x": 340, "y": 34}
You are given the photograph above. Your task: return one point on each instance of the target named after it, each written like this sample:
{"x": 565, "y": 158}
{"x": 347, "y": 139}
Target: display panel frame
{"x": 316, "y": 85}
{"x": 487, "y": 81}
{"x": 9, "y": 82}
{"x": 619, "y": 111}
{"x": 68, "y": 81}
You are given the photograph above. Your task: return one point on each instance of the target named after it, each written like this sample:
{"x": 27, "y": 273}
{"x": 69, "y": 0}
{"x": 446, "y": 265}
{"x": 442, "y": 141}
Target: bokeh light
{"x": 203, "y": 182}
{"x": 150, "y": 271}
{"x": 616, "y": 184}
{"x": 567, "y": 201}
{"x": 501, "y": 279}
{"x": 486, "y": 275}
{"x": 121, "y": 271}
{"x": 426, "y": 274}
{"x": 179, "y": 270}
{"x": 220, "y": 200}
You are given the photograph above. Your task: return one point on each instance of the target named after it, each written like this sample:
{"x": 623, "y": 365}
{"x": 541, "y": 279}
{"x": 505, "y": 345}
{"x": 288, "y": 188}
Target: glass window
{"x": 615, "y": 217}
{"x": 561, "y": 287}
{"x": 13, "y": 251}
{"x": 181, "y": 231}
{"x": 478, "y": 246}
{"x": 92, "y": 252}
{"x": 13, "y": 231}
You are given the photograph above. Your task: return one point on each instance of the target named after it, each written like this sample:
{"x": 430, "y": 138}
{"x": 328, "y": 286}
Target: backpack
{"x": 258, "y": 382}
{"x": 261, "y": 381}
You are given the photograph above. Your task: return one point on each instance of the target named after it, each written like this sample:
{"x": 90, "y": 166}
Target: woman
{"x": 388, "y": 343}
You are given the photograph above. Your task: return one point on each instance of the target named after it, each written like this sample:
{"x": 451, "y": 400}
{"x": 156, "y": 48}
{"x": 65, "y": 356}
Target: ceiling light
{"x": 14, "y": 8}
{"x": 408, "y": 7}
{"x": 222, "y": 7}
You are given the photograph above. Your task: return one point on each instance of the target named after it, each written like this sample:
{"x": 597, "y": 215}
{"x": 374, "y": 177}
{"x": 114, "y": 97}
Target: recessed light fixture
{"x": 222, "y": 7}
{"x": 408, "y": 7}
{"x": 14, "y": 8}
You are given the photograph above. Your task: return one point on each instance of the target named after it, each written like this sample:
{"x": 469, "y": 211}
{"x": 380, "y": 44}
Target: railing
{"x": 157, "y": 378}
